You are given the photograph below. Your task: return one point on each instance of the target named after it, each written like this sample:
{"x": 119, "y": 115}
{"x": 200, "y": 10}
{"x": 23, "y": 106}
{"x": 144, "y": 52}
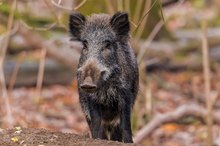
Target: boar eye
{"x": 107, "y": 44}
{"x": 85, "y": 49}
{"x": 106, "y": 50}
{"x": 85, "y": 43}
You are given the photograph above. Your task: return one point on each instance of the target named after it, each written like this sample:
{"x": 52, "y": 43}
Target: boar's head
{"x": 101, "y": 36}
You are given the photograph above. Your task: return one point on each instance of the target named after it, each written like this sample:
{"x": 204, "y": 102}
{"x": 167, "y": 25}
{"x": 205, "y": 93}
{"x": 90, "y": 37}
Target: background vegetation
{"x": 177, "y": 44}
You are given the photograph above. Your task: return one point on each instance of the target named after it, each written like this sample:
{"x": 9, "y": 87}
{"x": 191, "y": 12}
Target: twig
{"x": 181, "y": 112}
{"x": 12, "y": 32}
{"x": 206, "y": 70}
{"x": 61, "y": 7}
{"x": 141, "y": 28}
{"x": 80, "y": 5}
{"x": 41, "y": 70}
{"x": 133, "y": 23}
{"x": 59, "y": 2}
{"x": 15, "y": 72}
{"x": 149, "y": 40}
{"x": 137, "y": 11}
{"x": 38, "y": 28}
{"x": 9, "y": 116}
{"x": 139, "y": 23}
{"x": 68, "y": 8}
{"x": 13, "y": 77}
{"x": 148, "y": 97}
{"x": 52, "y": 11}
{"x": 55, "y": 15}
{"x": 153, "y": 34}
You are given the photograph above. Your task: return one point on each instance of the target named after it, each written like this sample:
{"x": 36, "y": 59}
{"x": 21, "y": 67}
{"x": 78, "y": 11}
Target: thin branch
{"x": 80, "y": 5}
{"x": 9, "y": 116}
{"x": 8, "y": 34}
{"x": 140, "y": 30}
{"x": 133, "y": 23}
{"x": 137, "y": 12}
{"x": 41, "y": 70}
{"x": 149, "y": 40}
{"x": 206, "y": 70}
{"x": 55, "y": 15}
{"x": 52, "y": 11}
{"x": 15, "y": 72}
{"x": 146, "y": 14}
{"x": 181, "y": 112}
{"x": 59, "y": 2}
{"x": 61, "y": 7}
{"x": 13, "y": 77}
{"x": 153, "y": 34}
{"x": 38, "y": 28}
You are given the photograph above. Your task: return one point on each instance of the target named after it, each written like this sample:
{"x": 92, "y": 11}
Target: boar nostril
{"x": 103, "y": 73}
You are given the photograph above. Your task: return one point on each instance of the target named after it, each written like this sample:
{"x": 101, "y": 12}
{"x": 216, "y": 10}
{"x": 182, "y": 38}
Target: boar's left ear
{"x": 120, "y": 24}
{"x": 76, "y": 24}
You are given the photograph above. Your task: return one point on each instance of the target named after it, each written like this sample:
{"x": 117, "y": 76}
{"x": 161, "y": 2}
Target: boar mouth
{"x": 88, "y": 87}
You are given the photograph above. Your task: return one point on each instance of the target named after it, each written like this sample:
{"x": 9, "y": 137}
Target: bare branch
{"x": 38, "y": 28}
{"x": 140, "y": 30}
{"x": 139, "y": 23}
{"x": 80, "y": 5}
{"x": 59, "y": 2}
{"x": 133, "y": 23}
{"x": 52, "y": 11}
{"x": 149, "y": 40}
{"x": 13, "y": 77}
{"x": 12, "y": 32}
{"x": 206, "y": 70}
{"x": 138, "y": 11}
{"x": 181, "y": 112}
{"x": 41, "y": 71}
{"x": 9, "y": 116}
{"x": 60, "y": 6}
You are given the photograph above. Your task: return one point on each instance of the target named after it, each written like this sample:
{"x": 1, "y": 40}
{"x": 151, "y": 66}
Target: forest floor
{"x": 42, "y": 137}
{"x": 57, "y": 108}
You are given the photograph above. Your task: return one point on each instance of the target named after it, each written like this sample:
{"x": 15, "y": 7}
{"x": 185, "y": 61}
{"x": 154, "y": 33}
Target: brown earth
{"x": 43, "y": 137}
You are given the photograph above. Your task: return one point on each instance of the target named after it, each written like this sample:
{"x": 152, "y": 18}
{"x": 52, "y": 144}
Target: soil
{"x": 43, "y": 137}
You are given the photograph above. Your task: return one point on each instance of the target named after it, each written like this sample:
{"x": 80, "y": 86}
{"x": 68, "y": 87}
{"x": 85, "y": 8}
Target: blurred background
{"x": 177, "y": 44}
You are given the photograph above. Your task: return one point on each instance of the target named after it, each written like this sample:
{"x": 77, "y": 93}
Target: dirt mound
{"x": 43, "y": 137}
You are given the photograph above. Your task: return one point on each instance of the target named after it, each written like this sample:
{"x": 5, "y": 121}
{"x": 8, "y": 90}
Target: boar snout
{"x": 91, "y": 75}
{"x": 88, "y": 85}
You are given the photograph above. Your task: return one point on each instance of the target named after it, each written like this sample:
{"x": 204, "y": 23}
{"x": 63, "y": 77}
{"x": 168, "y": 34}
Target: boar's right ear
{"x": 76, "y": 23}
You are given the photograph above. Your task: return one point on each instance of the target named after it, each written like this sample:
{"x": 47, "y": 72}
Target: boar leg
{"x": 125, "y": 122}
{"x": 116, "y": 134}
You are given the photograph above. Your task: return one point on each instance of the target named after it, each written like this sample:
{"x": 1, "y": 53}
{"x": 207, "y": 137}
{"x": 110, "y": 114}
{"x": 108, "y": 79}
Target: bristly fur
{"x": 108, "y": 60}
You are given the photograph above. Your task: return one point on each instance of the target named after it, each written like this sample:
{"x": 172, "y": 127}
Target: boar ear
{"x": 120, "y": 24}
{"x": 76, "y": 24}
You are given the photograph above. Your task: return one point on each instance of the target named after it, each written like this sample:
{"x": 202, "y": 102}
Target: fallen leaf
{"x": 170, "y": 127}
{"x": 18, "y": 128}
{"x": 14, "y": 139}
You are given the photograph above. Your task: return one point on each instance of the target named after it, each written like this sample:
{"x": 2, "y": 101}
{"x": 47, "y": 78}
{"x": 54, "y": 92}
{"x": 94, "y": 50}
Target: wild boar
{"x": 107, "y": 73}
